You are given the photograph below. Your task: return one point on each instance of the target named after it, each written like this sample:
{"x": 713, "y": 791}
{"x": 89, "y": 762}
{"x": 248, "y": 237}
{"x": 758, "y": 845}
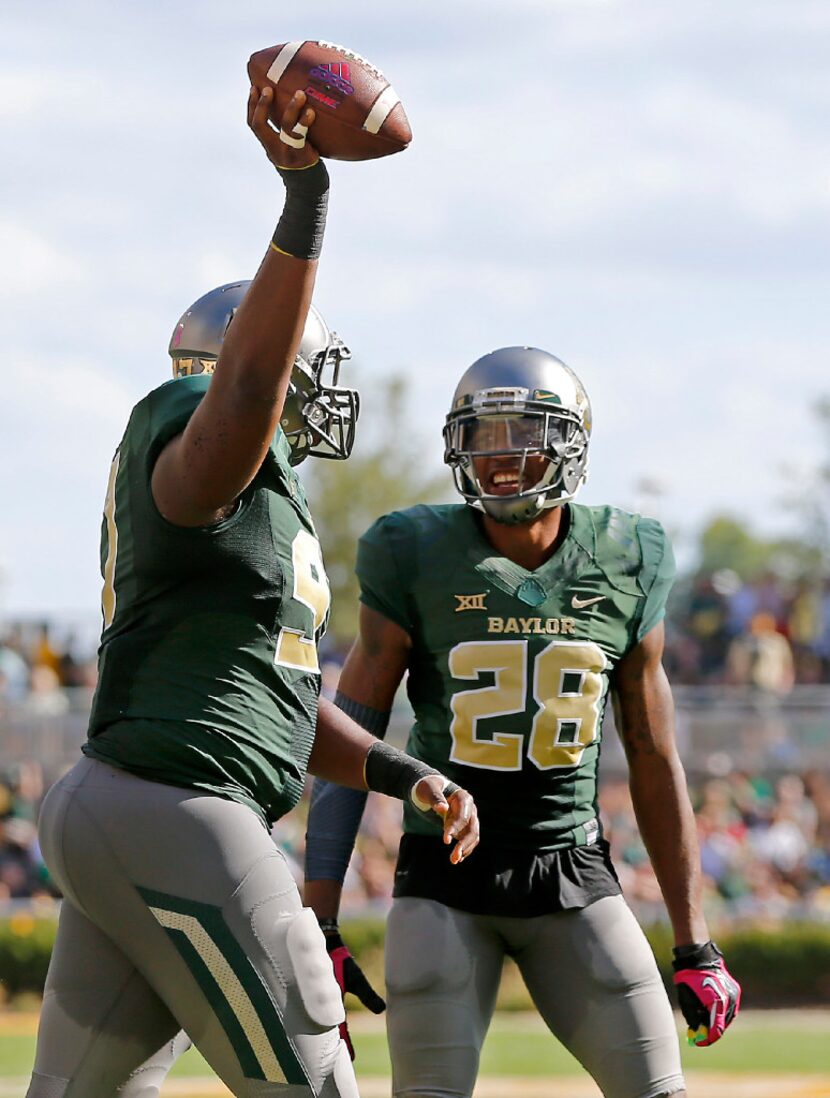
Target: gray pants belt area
{"x": 590, "y": 973}
{"x": 179, "y": 913}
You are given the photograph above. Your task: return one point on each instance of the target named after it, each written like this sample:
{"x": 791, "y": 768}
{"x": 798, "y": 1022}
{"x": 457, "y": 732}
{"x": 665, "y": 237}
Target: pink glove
{"x": 708, "y": 996}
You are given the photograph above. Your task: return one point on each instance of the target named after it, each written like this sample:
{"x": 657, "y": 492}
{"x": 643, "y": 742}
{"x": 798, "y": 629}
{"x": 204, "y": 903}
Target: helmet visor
{"x": 505, "y": 434}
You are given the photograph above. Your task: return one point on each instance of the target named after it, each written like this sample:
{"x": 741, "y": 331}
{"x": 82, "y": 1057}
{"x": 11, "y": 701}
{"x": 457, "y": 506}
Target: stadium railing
{"x": 719, "y": 728}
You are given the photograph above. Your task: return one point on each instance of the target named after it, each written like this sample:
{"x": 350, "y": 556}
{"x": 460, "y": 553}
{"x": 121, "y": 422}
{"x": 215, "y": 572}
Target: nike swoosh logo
{"x": 718, "y": 990}
{"x": 579, "y": 604}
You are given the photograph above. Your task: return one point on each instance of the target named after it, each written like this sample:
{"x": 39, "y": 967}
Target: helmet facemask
{"x": 496, "y": 424}
{"x": 319, "y": 419}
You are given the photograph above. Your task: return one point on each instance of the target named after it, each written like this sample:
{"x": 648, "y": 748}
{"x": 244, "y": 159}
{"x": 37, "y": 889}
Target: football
{"x": 359, "y": 114}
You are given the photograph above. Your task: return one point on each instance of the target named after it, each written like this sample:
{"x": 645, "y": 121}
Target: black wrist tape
{"x": 696, "y": 955}
{"x": 299, "y": 231}
{"x": 392, "y": 772}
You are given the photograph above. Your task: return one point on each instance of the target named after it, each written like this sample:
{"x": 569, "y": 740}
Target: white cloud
{"x": 61, "y": 420}
{"x": 32, "y": 265}
{"x": 638, "y": 185}
{"x": 74, "y": 409}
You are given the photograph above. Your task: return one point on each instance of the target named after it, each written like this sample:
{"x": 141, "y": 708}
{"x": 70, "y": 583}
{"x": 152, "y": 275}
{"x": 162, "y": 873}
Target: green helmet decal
{"x": 546, "y": 397}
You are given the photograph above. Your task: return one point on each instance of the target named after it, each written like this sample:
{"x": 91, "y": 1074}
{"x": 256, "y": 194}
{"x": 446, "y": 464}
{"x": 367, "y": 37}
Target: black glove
{"x": 708, "y": 995}
{"x": 349, "y": 976}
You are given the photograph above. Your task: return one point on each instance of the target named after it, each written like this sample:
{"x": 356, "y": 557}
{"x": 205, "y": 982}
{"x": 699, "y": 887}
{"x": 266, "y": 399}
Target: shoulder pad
{"x": 412, "y": 532}
{"x": 609, "y": 535}
{"x": 653, "y": 548}
{"x": 631, "y": 549}
{"x": 396, "y": 550}
{"x": 170, "y": 408}
{"x": 635, "y": 556}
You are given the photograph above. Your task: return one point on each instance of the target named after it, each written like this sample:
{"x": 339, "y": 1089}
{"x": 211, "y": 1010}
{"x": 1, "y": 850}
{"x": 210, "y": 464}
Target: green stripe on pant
{"x": 238, "y": 996}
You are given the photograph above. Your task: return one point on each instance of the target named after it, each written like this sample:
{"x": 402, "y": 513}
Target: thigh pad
{"x": 313, "y": 970}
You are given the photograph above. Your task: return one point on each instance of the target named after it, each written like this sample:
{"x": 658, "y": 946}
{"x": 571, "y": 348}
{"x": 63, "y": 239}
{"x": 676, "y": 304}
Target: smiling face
{"x": 507, "y": 475}
{"x": 506, "y": 452}
{"x": 516, "y": 436}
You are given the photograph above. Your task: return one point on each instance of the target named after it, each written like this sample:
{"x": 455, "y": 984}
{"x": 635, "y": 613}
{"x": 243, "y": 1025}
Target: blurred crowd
{"x": 765, "y": 835}
{"x": 768, "y": 635}
{"x": 40, "y": 666}
{"x": 22, "y": 872}
{"x": 765, "y": 847}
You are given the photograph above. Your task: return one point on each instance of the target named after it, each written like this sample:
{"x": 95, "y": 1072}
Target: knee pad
{"x": 425, "y": 948}
{"x": 313, "y": 972}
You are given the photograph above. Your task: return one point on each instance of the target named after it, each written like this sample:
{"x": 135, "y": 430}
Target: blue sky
{"x": 640, "y": 186}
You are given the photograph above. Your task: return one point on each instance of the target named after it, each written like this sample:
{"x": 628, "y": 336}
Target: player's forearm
{"x": 335, "y": 812}
{"x": 667, "y": 825}
{"x": 340, "y": 747}
{"x": 323, "y": 897}
{"x": 259, "y": 349}
{"x": 645, "y": 719}
{"x": 260, "y": 346}
{"x": 334, "y": 817}
{"x": 347, "y": 754}
{"x": 223, "y": 446}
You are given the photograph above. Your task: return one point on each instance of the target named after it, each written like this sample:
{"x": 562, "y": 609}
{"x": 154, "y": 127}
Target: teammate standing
{"x": 179, "y": 911}
{"x": 513, "y": 617}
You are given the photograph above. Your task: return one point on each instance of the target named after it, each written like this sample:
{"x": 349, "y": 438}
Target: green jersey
{"x": 509, "y": 669}
{"x": 208, "y": 672}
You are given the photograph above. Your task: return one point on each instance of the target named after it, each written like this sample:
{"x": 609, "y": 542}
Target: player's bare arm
{"x": 377, "y": 661}
{"x": 202, "y": 471}
{"x": 708, "y": 995}
{"x": 645, "y": 719}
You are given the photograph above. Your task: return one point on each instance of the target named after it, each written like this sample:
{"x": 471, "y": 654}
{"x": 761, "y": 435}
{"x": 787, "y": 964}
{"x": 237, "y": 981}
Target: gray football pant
{"x": 590, "y": 973}
{"x": 179, "y": 913}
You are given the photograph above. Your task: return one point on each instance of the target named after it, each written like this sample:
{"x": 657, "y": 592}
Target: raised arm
{"x": 645, "y": 719}
{"x": 202, "y": 471}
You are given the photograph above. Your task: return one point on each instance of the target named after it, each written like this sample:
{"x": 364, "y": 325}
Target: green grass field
{"x": 519, "y": 1045}
{"x": 761, "y": 1043}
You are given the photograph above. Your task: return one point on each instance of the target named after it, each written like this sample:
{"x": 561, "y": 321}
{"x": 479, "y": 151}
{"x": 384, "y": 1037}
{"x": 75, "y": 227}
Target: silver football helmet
{"x": 319, "y": 416}
{"x": 520, "y": 403}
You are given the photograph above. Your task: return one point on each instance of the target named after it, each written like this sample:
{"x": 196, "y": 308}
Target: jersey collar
{"x": 534, "y": 587}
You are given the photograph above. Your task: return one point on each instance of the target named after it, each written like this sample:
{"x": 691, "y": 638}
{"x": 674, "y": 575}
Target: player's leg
{"x": 442, "y": 974}
{"x": 593, "y": 977}
{"x": 146, "y": 1081}
{"x": 193, "y": 891}
{"x": 100, "y": 1021}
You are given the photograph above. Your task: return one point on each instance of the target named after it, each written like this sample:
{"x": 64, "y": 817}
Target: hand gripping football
{"x": 359, "y": 114}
